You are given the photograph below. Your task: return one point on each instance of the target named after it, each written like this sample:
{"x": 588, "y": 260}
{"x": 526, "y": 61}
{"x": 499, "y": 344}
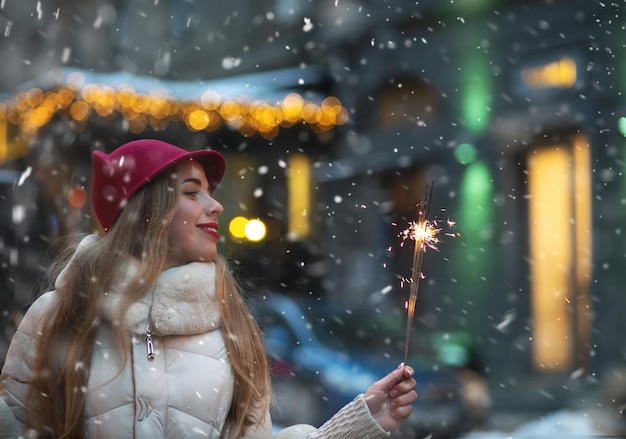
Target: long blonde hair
{"x": 56, "y": 398}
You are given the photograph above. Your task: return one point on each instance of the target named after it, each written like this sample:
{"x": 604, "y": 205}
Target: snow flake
{"x": 24, "y": 176}
{"x": 65, "y": 55}
{"x": 308, "y": 26}
{"x": 230, "y": 62}
{"x": 18, "y": 214}
{"x": 506, "y": 321}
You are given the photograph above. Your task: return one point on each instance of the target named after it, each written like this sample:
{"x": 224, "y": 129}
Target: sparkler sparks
{"x": 424, "y": 233}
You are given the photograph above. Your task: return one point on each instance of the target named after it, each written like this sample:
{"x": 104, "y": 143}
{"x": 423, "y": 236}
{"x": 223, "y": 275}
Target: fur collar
{"x": 182, "y": 301}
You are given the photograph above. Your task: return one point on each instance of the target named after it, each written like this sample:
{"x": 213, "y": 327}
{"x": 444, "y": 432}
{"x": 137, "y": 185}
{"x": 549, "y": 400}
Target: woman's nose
{"x": 214, "y": 207}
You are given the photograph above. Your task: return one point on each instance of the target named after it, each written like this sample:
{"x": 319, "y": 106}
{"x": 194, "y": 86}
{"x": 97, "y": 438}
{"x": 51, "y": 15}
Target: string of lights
{"x": 33, "y": 109}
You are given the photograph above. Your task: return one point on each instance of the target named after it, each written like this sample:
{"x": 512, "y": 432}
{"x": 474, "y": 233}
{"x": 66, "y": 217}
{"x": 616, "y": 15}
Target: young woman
{"x": 145, "y": 332}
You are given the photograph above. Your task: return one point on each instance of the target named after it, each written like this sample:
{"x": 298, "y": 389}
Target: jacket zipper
{"x": 149, "y": 344}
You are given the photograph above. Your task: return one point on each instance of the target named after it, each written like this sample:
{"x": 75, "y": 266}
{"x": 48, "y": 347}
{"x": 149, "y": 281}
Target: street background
{"x": 334, "y": 117}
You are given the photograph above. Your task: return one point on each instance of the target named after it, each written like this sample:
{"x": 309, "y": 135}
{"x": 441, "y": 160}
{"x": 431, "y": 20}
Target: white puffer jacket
{"x": 184, "y": 392}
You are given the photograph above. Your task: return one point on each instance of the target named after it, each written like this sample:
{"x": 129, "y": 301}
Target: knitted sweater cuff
{"x": 353, "y": 421}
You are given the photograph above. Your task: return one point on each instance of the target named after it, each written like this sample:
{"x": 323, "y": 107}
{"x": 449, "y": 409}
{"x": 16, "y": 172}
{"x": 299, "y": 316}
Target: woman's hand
{"x": 390, "y": 398}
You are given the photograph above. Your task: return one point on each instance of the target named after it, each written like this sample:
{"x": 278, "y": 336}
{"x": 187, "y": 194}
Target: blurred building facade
{"x": 513, "y": 111}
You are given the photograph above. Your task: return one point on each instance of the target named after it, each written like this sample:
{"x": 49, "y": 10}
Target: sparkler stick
{"x": 423, "y": 233}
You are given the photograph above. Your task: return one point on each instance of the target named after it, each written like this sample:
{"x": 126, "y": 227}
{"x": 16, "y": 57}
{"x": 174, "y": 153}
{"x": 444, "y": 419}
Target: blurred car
{"x": 312, "y": 381}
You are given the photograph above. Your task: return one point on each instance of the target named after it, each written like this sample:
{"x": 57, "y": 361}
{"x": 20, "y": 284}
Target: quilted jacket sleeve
{"x": 353, "y": 421}
{"x": 18, "y": 367}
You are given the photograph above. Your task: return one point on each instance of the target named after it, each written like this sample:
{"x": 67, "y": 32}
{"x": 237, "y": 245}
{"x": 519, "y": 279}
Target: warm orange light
{"x": 34, "y": 96}
{"x": 65, "y": 96}
{"x": 198, "y": 120}
{"x": 158, "y": 107}
{"x": 311, "y": 113}
{"x": 331, "y": 105}
{"x": 230, "y": 110}
{"x": 560, "y": 74}
{"x": 79, "y": 110}
{"x": 126, "y": 96}
{"x": 77, "y": 197}
{"x": 292, "y": 107}
{"x": 141, "y": 103}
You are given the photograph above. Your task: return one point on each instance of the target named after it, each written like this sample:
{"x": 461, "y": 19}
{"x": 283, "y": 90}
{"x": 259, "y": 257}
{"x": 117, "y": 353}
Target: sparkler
{"x": 423, "y": 232}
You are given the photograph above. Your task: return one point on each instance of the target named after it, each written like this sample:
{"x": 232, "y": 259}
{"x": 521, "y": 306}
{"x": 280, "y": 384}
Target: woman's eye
{"x": 191, "y": 193}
